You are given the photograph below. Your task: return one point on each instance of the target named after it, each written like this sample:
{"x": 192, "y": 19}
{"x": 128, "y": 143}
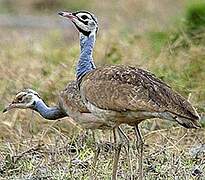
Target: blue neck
{"x": 85, "y": 63}
{"x": 51, "y": 113}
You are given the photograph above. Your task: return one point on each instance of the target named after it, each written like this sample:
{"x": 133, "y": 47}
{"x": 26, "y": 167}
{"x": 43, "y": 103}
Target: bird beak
{"x": 67, "y": 15}
{"x": 9, "y": 107}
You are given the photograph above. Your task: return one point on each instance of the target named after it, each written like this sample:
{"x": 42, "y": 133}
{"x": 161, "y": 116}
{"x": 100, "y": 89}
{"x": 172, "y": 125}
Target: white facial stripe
{"x": 86, "y": 14}
{"x": 29, "y": 91}
{"x": 32, "y": 91}
{"x": 81, "y": 25}
{"x": 20, "y": 94}
{"x": 35, "y": 98}
{"x": 85, "y": 22}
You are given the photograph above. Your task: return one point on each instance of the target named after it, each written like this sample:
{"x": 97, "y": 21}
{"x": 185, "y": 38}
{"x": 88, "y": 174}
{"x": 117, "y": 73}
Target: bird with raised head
{"x": 124, "y": 94}
{"x": 70, "y": 104}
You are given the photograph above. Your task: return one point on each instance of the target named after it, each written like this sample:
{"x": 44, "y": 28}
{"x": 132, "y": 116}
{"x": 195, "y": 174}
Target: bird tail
{"x": 189, "y": 123}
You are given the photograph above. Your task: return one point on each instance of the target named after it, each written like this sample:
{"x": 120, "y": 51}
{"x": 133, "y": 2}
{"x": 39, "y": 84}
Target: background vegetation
{"x": 39, "y": 50}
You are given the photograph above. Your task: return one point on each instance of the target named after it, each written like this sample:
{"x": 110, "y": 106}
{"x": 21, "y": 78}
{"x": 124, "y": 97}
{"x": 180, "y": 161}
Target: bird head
{"x": 84, "y": 21}
{"x": 24, "y": 99}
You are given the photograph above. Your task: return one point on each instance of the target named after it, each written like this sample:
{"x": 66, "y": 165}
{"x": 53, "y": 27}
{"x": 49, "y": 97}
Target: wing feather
{"x": 70, "y": 99}
{"x": 123, "y": 88}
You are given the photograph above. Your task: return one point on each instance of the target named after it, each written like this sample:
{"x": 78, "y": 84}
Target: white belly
{"x": 108, "y": 115}
{"x": 115, "y": 118}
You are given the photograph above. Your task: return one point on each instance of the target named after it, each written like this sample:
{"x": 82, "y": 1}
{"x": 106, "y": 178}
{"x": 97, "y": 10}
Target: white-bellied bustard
{"x": 70, "y": 105}
{"x": 124, "y": 94}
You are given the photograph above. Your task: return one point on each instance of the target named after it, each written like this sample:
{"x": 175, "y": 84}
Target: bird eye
{"x": 84, "y": 17}
{"x": 20, "y": 98}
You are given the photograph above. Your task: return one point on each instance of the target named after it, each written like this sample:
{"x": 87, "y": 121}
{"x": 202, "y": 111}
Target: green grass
{"x": 45, "y": 61}
{"x": 195, "y": 16}
{"x": 157, "y": 40}
{"x": 60, "y": 160}
{"x": 50, "y": 66}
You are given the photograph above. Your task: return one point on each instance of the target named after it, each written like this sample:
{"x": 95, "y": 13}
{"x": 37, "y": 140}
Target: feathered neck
{"x": 85, "y": 63}
{"x": 51, "y": 113}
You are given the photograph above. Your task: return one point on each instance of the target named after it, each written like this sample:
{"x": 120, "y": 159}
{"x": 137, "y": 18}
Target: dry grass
{"x": 169, "y": 154}
{"x": 32, "y": 148}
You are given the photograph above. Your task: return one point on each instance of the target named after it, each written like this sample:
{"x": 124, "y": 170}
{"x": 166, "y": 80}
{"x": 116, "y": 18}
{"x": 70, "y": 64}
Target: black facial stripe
{"x": 38, "y": 96}
{"x": 84, "y": 22}
{"x": 20, "y": 98}
{"x": 83, "y": 17}
{"x": 94, "y": 19}
{"x": 86, "y": 33}
{"x": 34, "y": 103}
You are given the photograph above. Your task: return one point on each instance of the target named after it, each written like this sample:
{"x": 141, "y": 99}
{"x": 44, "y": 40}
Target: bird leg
{"x": 96, "y": 155}
{"x": 96, "y": 151}
{"x": 124, "y": 137}
{"x": 118, "y": 146}
{"x": 140, "y": 151}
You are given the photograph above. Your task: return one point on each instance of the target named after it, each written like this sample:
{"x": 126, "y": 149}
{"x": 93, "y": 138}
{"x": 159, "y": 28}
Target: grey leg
{"x": 96, "y": 155}
{"x": 140, "y": 151}
{"x": 96, "y": 151}
{"x": 118, "y": 146}
{"x": 124, "y": 137}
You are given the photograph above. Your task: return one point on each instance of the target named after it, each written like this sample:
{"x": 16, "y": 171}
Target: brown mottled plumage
{"x": 70, "y": 98}
{"x": 71, "y": 102}
{"x": 127, "y": 89}
{"x": 124, "y": 94}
